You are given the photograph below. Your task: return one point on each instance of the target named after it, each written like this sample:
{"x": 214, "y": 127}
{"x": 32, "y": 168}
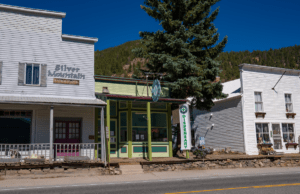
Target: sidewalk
{"x": 155, "y": 176}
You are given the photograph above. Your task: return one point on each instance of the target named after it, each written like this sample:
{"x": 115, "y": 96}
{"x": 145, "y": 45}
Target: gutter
{"x": 52, "y": 104}
{"x": 30, "y": 10}
{"x": 79, "y": 38}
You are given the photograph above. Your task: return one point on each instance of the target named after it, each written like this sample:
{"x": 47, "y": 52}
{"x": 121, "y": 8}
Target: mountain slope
{"x": 120, "y": 61}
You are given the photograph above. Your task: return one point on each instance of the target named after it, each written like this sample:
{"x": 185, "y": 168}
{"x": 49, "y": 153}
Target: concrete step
{"x": 131, "y": 169}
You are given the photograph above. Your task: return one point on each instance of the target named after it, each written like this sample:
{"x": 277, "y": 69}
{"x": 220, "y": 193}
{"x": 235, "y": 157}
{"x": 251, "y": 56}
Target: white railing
{"x": 59, "y": 150}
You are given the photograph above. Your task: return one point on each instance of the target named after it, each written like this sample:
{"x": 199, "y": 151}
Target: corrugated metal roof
{"x": 51, "y": 100}
{"x": 232, "y": 88}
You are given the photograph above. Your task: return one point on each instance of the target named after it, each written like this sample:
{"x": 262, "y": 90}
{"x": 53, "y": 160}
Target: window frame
{"x": 277, "y": 136}
{"x": 269, "y": 130}
{"x": 261, "y": 102}
{"x": 285, "y": 103}
{"x": 120, "y": 126}
{"x": 25, "y": 74}
{"x": 288, "y": 133}
{"x": 145, "y": 112}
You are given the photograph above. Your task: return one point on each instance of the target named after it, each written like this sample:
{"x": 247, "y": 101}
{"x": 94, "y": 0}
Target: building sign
{"x": 202, "y": 141}
{"x": 156, "y": 90}
{"x": 64, "y": 71}
{"x": 185, "y": 127}
{"x": 65, "y": 81}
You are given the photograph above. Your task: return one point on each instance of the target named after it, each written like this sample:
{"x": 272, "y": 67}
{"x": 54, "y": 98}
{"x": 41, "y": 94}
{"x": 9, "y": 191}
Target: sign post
{"x": 185, "y": 128}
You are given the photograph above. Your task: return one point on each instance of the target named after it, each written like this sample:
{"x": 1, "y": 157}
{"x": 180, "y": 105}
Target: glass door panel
{"x": 276, "y": 137}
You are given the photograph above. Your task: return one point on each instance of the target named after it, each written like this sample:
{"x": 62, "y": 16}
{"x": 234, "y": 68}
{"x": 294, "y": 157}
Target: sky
{"x": 249, "y": 24}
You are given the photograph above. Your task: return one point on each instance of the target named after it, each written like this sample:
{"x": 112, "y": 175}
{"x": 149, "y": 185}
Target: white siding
{"x": 41, "y": 122}
{"x": 273, "y": 103}
{"x": 37, "y": 39}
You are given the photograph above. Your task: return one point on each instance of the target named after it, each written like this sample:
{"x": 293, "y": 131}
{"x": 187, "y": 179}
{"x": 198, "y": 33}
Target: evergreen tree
{"x": 186, "y": 50}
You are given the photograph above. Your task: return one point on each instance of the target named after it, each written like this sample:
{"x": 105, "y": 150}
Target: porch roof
{"x": 141, "y": 98}
{"x": 48, "y": 100}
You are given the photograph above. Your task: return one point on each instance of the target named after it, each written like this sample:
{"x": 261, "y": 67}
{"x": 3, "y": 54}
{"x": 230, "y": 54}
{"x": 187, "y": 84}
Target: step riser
{"x": 131, "y": 169}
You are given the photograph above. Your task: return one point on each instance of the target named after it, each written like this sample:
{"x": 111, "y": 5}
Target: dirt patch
{"x": 1, "y": 178}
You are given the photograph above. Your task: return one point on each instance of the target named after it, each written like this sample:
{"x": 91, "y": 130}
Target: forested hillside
{"x": 120, "y": 61}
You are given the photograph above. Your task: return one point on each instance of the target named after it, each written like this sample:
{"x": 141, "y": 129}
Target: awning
{"x": 141, "y": 98}
{"x": 47, "y": 100}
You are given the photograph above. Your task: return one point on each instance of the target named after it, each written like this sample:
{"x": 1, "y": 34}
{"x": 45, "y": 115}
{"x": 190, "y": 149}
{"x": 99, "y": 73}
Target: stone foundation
{"x": 221, "y": 164}
{"x": 58, "y": 172}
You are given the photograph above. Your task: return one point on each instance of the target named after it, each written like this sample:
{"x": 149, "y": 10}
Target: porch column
{"x": 129, "y": 128}
{"x": 108, "y": 126}
{"x": 96, "y": 132}
{"x": 170, "y": 130}
{"x": 51, "y": 134}
{"x": 103, "y": 146}
{"x": 149, "y": 131}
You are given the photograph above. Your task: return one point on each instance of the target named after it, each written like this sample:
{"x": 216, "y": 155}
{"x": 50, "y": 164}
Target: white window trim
{"x": 268, "y": 123}
{"x": 262, "y": 101}
{"x": 292, "y": 102}
{"x": 288, "y": 132}
{"x": 25, "y": 71}
{"x": 281, "y": 136}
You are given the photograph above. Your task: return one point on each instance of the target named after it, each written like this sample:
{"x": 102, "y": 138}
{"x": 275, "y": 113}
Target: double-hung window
{"x": 32, "y": 74}
{"x": 288, "y": 133}
{"x": 262, "y": 133}
{"x": 288, "y": 102}
{"x": 258, "y": 102}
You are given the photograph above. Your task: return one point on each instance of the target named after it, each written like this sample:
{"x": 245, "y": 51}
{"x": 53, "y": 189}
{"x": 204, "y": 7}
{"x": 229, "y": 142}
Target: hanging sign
{"x": 185, "y": 127}
{"x": 156, "y": 90}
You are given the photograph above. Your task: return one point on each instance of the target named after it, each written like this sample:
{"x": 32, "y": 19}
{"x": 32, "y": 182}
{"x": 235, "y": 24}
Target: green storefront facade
{"x": 136, "y": 124}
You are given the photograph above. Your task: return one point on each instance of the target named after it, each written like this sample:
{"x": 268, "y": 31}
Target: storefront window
{"x": 288, "y": 133}
{"x": 113, "y": 109}
{"x": 159, "y": 105}
{"x": 262, "y": 133}
{"x": 123, "y": 126}
{"x": 158, "y": 127}
{"x": 139, "y": 105}
{"x": 123, "y": 104}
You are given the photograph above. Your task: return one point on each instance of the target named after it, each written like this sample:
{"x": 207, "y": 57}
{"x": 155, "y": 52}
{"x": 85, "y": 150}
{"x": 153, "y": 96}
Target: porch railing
{"x": 59, "y": 150}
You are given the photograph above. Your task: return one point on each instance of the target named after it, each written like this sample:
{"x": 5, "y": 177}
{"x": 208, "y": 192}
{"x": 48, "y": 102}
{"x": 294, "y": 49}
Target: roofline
{"x": 142, "y": 98}
{"x": 30, "y": 10}
{"x": 80, "y": 38}
{"x": 54, "y": 104}
{"x": 126, "y": 80}
{"x": 229, "y": 98}
{"x": 278, "y": 69}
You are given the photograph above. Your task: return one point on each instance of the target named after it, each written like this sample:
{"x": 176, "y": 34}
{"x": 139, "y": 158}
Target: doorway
{"x": 65, "y": 133}
{"x": 15, "y": 130}
{"x": 277, "y": 144}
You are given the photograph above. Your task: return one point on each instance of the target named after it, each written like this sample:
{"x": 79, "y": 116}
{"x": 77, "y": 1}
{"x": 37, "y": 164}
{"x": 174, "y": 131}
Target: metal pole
{"x": 147, "y": 85}
{"x": 108, "y": 126}
{"x": 149, "y": 131}
{"x": 51, "y": 133}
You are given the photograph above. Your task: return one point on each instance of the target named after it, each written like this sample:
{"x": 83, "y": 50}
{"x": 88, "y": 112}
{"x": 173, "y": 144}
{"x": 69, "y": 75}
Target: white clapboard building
{"x": 47, "y": 89}
{"x": 262, "y": 108}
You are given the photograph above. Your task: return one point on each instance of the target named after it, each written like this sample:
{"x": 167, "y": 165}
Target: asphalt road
{"x": 265, "y": 184}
